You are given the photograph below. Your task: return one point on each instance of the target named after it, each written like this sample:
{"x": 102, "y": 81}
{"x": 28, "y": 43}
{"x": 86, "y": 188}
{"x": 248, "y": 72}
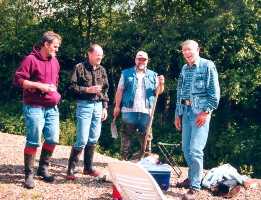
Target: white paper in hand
{"x": 114, "y": 132}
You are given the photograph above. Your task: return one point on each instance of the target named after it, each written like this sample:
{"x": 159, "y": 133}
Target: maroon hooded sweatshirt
{"x": 35, "y": 68}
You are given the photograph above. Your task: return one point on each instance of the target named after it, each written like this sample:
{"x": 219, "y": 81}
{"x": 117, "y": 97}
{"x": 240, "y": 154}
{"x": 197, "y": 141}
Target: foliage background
{"x": 228, "y": 32}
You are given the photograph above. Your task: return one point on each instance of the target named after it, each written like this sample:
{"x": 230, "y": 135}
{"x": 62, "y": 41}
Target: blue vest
{"x": 130, "y": 86}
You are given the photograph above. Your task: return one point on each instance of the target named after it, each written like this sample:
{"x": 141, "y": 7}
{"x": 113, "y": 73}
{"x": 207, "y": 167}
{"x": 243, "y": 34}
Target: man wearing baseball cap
{"x": 134, "y": 98}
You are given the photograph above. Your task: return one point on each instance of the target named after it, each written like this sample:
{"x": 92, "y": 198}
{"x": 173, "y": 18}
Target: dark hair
{"x": 48, "y": 36}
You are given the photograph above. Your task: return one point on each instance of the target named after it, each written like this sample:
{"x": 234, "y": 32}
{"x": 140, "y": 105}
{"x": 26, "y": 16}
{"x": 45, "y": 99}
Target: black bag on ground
{"x": 226, "y": 185}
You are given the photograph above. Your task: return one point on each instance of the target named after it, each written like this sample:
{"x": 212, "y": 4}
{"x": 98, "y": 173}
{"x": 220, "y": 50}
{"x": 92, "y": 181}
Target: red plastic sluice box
{"x": 115, "y": 194}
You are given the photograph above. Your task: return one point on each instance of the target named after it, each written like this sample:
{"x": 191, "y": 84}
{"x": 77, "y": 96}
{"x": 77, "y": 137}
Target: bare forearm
{"x": 161, "y": 89}
{"x": 161, "y": 81}
{"x": 31, "y": 85}
{"x": 118, "y": 97}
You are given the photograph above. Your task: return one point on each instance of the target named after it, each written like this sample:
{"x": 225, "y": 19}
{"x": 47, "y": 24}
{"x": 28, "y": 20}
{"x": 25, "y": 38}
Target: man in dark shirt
{"x": 89, "y": 83}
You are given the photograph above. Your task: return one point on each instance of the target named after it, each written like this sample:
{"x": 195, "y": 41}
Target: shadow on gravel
{"x": 63, "y": 162}
{"x": 174, "y": 194}
{"x": 11, "y": 174}
{"x": 105, "y": 196}
{"x": 59, "y": 167}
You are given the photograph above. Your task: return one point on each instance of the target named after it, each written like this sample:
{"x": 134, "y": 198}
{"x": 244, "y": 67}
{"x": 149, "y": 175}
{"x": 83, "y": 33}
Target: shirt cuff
{"x": 207, "y": 110}
{"x": 82, "y": 89}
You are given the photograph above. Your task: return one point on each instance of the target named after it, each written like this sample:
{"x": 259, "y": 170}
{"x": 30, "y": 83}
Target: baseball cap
{"x": 142, "y": 54}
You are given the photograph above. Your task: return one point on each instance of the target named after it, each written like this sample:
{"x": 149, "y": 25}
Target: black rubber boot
{"x": 29, "y": 170}
{"x": 72, "y": 163}
{"x": 127, "y": 131}
{"x": 88, "y": 161}
{"x": 43, "y": 166}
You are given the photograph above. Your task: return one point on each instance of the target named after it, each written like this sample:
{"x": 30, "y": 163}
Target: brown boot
{"x": 46, "y": 154}
{"x": 88, "y": 161}
{"x": 29, "y": 170}
{"x": 72, "y": 163}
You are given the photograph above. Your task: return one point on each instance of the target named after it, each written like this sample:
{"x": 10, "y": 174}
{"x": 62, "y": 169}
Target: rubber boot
{"x": 72, "y": 163}
{"x": 127, "y": 131}
{"x": 46, "y": 154}
{"x": 29, "y": 170}
{"x": 88, "y": 161}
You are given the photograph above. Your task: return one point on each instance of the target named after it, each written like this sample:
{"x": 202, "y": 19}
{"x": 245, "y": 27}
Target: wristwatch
{"x": 207, "y": 110}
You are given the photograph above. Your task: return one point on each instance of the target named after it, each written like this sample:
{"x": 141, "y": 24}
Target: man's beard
{"x": 141, "y": 67}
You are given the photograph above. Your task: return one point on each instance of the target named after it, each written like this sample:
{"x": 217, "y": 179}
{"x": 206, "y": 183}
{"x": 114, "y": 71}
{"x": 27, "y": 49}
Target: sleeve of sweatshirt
{"x": 58, "y": 72}
{"x": 23, "y": 72}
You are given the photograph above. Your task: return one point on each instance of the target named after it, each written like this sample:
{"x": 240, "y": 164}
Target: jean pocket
{"x": 56, "y": 109}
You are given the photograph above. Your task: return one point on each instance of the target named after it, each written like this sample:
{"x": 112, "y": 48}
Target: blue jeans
{"x": 131, "y": 123}
{"x": 40, "y": 120}
{"x": 140, "y": 120}
{"x": 193, "y": 143}
{"x": 88, "y": 128}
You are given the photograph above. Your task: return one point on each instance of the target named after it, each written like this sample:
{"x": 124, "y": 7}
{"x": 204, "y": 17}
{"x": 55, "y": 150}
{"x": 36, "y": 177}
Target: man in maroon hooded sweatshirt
{"x": 38, "y": 77}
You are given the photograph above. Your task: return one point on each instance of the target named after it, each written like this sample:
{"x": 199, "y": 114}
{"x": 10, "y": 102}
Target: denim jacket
{"x": 204, "y": 91}
{"x": 130, "y": 86}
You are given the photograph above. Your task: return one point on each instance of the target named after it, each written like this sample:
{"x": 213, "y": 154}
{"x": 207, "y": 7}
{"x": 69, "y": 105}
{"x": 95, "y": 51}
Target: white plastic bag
{"x": 114, "y": 132}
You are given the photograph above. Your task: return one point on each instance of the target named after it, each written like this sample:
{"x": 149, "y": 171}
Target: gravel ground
{"x": 85, "y": 187}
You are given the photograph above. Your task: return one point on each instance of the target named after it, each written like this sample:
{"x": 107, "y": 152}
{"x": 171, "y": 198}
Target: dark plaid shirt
{"x": 84, "y": 76}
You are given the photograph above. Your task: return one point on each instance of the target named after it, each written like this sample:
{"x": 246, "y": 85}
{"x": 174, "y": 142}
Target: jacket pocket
{"x": 199, "y": 84}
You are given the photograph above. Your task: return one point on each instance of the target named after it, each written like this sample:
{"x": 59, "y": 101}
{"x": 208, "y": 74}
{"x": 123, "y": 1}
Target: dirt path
{"x": 85, "y": 187}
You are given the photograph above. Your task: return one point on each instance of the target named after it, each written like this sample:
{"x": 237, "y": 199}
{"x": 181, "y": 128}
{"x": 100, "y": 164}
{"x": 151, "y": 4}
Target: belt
{"x": 186, "y": 102}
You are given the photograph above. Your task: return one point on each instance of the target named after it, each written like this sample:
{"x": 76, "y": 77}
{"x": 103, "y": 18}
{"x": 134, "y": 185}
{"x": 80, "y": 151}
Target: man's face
{"x": 96, "y": 56}
{"x": 52, "y": 48}
{"x": 190, "y": 52}
{"x": 141, "y": 63}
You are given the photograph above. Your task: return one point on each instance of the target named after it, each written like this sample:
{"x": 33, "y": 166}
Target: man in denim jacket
{"x": 134, "y": 97}
{"x": 198, "y": 94}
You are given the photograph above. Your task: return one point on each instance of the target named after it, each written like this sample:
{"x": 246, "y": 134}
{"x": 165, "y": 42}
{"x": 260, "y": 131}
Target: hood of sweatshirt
{"x": 36, "y": 68}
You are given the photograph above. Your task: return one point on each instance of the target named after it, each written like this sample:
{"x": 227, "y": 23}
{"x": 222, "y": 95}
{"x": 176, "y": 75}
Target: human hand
{"x": 178, "y": 123}
{"x": 116, "y": 111}
{"x": 104, "y": 114}
{"x": 46, "y": 87}
{"x": 96, "y": 89}
{"x": 201, "y": 119}
{"x": 161, "y": 79}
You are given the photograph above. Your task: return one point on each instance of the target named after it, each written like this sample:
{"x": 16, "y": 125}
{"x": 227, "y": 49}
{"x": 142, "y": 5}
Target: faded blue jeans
{"x": 133, "y": 122}
{"x": 40, "y": 120}
{"x": 194, "y": 140}
{"x": 138, "y": 119}
{"x": 88, "y": 128}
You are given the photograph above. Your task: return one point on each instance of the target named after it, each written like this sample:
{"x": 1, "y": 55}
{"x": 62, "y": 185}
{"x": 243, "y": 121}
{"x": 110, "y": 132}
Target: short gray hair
{"x": 189, "y": 42}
